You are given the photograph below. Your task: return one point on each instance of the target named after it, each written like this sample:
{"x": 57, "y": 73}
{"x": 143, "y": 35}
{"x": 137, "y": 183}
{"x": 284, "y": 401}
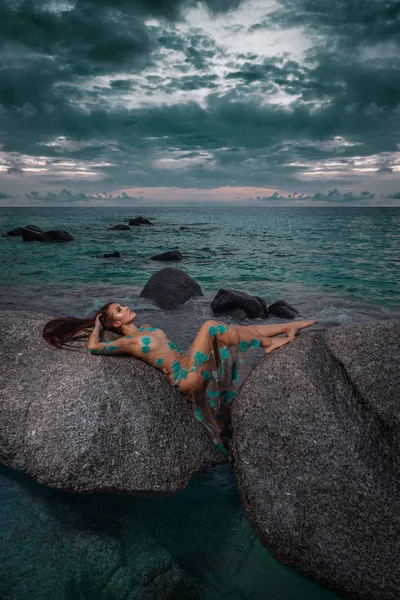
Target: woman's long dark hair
{"x": 67, "y": 330}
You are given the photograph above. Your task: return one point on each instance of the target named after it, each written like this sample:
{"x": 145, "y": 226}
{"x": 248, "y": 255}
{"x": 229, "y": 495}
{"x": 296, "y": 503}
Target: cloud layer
{"x": 285, "y": 95}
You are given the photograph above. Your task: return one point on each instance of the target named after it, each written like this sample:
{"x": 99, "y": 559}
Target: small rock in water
{"x": 283, "y": 310}
{"x": 140, "y": 221}
{"x": 120, "y": 227}
{"x": 170, "y": 288}
{"x": 112, "y": 255}
{"x": 170, "y": 255}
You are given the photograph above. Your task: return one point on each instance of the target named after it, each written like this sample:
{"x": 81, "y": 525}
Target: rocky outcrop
{"x": 80, "y": 422}
{"x": 283, "y": 310}
{"x": 316, "y": 441}
{"x": 170, "y": 288}
{"x": 169, "y": 255}
{"x": 120, "y": 228}
{"x": 228, "y": 300}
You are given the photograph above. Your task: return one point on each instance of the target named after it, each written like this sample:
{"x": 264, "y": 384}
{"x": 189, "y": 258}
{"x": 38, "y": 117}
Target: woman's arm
{"x": 124, "y": 345}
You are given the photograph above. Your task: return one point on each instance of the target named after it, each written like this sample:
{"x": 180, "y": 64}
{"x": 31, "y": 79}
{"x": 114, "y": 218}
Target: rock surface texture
{"x": 316, "y": 445}
{"x": 170, "y": 288}
{"x": 84, "y": 423}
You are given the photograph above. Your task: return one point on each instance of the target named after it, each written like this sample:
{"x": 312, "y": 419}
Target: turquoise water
{"x": 339, "y": 265}
{"x": 351, "y": 251}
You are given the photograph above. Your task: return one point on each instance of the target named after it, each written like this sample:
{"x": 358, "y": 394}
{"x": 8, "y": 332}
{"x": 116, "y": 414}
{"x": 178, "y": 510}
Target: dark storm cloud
{"x": 352, "y": 22}
{"x": 342, "y": 88}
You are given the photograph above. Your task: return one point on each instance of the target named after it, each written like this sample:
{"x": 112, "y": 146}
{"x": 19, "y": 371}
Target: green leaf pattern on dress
{"x": 146, "y": 342}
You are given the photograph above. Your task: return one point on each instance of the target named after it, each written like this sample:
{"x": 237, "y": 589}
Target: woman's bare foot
{"x": 294, "y": 327}
{"x": 276, "y": 342}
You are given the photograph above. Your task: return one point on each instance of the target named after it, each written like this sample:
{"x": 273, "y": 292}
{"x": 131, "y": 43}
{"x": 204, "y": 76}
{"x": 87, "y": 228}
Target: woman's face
{"x": 121, "y": 314}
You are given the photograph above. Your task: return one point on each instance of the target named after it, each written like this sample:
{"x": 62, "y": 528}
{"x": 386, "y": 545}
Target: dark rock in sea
{"x": 58, "y": 236}
{"x": 112, "y": 255}
{"x": 227, "y": 300}
{"x": 283, "y": 310}
{"x": 84, "y": 423}
{"x": 140, "y": 221}
{"x": 317, "y": 457}
{"x": 18, "y": 231}
{"x": 183, "y": 228}
{"x": 170, "y": 255}
{"x": 120, "y": 227}
{"x": 264, "y": 305}
{"x": 170, "y": 288}
{"x": 29, "y": 235}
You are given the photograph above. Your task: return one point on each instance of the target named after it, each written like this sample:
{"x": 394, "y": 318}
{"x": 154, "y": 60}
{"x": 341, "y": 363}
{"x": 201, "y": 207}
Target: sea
{"x": 338, "y": 265}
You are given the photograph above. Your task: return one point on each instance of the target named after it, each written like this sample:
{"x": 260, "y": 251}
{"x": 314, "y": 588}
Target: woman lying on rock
{"x": 209, "y": 373}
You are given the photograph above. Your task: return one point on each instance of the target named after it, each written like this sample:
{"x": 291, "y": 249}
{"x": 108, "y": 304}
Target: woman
{"x": 209, "y": 374}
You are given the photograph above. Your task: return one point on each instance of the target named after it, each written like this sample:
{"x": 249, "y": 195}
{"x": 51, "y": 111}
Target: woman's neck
{"x": 129, "y": 329}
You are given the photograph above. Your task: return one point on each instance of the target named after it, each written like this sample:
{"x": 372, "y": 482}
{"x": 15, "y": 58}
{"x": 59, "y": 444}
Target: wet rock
{"x": 283, "y": 310}
{"x": 120, "y": 227}
{"x": 140, "y": 221}
{"x": 170, "y": 255}
{"x": 228, "y": 300}
{"x": 316, "y": 445}
{"x": 80, "y": 422}
{"x": 170, "y": 288}
{"x": 58, "y": 235}
{"x": 112, "y": 255}
{"x": 18, "y": 231}
{"x": 264, "y": 305}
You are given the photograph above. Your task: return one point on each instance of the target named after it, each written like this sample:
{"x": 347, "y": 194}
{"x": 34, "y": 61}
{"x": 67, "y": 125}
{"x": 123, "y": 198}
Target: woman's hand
{"x": 97, "y": 323}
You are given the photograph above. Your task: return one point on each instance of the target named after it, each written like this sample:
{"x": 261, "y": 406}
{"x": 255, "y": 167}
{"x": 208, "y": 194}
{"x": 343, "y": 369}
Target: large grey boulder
{"x": 80, "y": 422}
{"x": 316, "y": 442}
{"x": 170, "y": 288}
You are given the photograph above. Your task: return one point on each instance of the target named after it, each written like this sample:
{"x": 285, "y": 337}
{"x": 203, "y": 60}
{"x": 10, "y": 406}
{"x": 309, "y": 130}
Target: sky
{"x": 166, "y": 102}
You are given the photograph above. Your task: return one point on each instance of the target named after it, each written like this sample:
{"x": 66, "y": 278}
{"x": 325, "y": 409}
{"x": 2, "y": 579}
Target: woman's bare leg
{"x": 290, "y": 328}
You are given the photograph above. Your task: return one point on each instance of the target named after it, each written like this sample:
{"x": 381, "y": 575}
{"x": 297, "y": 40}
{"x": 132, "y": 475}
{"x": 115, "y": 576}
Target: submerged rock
{"x": 120, "y": 227}
{"x": 70, "y": 546}
{"x": 169, "y": 255}
{"x": 80, "y": 422}
{"x": 112, "y": 255}
{"x": 229, "y": 300}
{"x": 316, "y": 441}
{"x": 170, "y": 288}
